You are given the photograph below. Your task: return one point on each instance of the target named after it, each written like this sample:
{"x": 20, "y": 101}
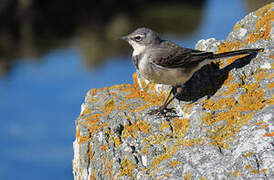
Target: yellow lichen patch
{"x": 109, "y": 170}
{"x": 150, "y": 99}
{"x": 202, "y": 178}
{"x": 247, "y": 166}
{"x": 108, "y": 106}
{"x": 127, "y": 167}
{"x": 188, "y": 176}
{"x": 93, "y": 100}
{"x": 266, "y": 17}
{"x": 224, "y": 103}
{"x": 235, "y": 113}
{"x": 143, "y": 126}
{"x": 83, "y": 139}
{"x": 248, "y": 154}
{"x": 225, "y": 47}
{"x": 164, "y": 125}
{"x": 117, "y": 141}
{"x": 167, "y": 155}
{"x": 85, "y": 112}
{"x": 92, "y": 123}
{"x": 271, "y": 85}
{"x": 151, "y": 140}
{"x": 174, "y": 163}
{"x": 231, "y": 89}
{"x": 261, "y": 74}
{"x": 263, "y": 27}
{"x": 237, "y": 26}
{"x": 180, "y": 126}
{"x": 104, "y": 148}
{"x": 236, "y": 173}
{"x": 264, "y": 170}
{"x": 131, "y": 130}
{"x": 92, "y": 175}
{"x": 255, "y": 171}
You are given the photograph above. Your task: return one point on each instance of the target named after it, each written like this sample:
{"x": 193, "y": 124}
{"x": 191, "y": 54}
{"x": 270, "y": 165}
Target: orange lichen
{"x": 262, "y": 31}
{"x": 236, "y": 173}
{"x": 83, "y": 139}
{"x": 174, "y": 163}
{"x": 117, "y": 141}
{"x": 167, "y": 155}
{"x": 248, "y": 154}
{"x": 85, "y": 112}
{"x": 269, "y": 134}
{"x": 271, "y": 85}
{"x": 150, "y": 99}
{"x": 92, "y": 175}
{"x": 143, "y": 126}
{"x": 131, "y": 130}
{"x": 127, "y": 167}
{"x": 188, "y": 176}
{"x": 109, "y": 169}
{"x": 235, "y": 113}
{"x": 108, "y": 106}
{"x": 164, "y": 125}
{"x": 261, "y": 74}
{"x": 255, "y": 171}
{"x": 104, "y": 148}
{"x": 247, "y": 166}
{"x": 237, "y": 26}
{"x": 180, "y": 127}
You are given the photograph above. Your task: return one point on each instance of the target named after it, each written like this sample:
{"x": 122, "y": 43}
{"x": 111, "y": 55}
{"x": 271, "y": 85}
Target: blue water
{"x": 41, "y": 99}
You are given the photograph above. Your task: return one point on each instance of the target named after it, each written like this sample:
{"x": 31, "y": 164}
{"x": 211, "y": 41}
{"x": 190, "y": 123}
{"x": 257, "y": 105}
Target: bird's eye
{"x": 137, "y": 38}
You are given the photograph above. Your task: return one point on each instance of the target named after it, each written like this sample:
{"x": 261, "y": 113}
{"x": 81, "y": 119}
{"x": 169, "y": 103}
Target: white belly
{"x": 160, "y": 75}
{"x": 169, "y": 76}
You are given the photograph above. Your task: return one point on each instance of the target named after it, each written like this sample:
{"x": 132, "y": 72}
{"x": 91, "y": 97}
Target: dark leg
{"x": 167, "y": 102}
{"x": 164, "y": 108}
{"x": 171, "y": 91}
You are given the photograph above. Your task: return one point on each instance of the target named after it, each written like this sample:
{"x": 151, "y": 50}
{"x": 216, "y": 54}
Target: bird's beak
{"x": 125, "y": 38}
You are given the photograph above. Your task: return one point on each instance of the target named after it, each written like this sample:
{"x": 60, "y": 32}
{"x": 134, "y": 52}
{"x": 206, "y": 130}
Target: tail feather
{"x": 235, "y": 53}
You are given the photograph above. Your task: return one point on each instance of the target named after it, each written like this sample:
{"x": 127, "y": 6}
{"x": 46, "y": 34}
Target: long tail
{"x": 238, "y": 52}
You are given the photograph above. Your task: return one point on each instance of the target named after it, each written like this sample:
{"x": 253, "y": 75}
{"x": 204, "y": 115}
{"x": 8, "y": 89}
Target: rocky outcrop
{"x": 227, "y": 133}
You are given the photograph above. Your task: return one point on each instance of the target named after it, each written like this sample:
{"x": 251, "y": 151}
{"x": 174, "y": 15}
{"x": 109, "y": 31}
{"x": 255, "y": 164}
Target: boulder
{"x": 227, "y": 133}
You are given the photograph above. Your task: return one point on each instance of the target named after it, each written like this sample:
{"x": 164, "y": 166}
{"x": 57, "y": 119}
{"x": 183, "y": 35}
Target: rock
{"x": 226, "y": 134}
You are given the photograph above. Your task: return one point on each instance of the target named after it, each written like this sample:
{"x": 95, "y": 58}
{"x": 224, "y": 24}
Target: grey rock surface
{"x": 228, "y": 133}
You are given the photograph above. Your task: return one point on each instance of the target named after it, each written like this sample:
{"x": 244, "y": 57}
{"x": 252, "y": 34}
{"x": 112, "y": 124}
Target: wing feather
{"x": 170, "y": 55}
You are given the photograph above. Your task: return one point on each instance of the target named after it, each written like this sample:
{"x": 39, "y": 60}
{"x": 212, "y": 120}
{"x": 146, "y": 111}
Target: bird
{"x": 164, "y": 62}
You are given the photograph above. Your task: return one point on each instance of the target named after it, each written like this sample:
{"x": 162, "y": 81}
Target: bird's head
{"x": 142, "y": 38}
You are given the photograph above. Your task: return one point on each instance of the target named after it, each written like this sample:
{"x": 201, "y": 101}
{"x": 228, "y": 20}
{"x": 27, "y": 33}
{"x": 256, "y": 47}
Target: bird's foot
{"x": 161, "y": 111}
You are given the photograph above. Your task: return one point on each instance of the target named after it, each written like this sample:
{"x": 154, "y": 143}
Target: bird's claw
{"x": 161, "y": 111}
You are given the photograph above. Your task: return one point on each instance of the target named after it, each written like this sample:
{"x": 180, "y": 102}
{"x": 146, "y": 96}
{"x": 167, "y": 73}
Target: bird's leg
{"x": 163, "y": 109}
{"x": 167, "y": 102}
{"x": 170, "y": 92}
